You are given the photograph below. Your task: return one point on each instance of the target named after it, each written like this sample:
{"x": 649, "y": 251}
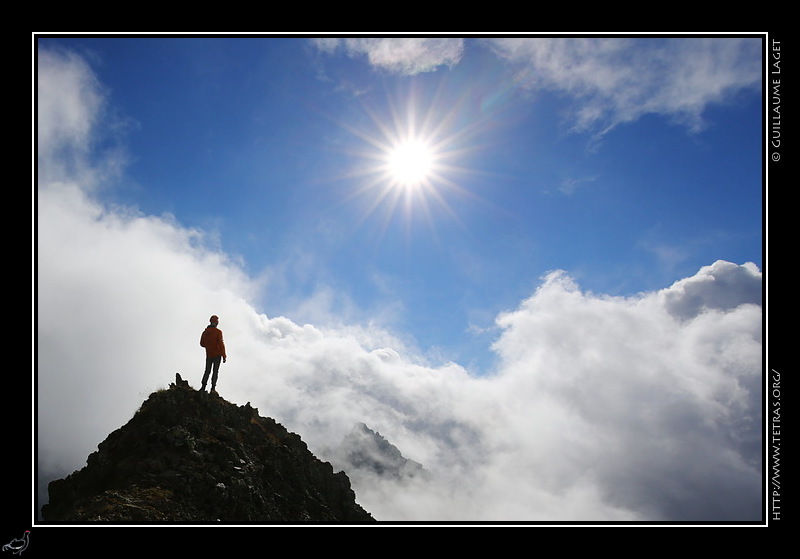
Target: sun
{"x": 410, "y": 163}
{"x": 408, "y": 160}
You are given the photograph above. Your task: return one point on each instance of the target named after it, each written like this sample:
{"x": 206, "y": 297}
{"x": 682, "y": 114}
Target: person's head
{"x": 214, "y": 319}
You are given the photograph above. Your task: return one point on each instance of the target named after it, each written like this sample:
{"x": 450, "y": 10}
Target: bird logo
{"x": 18, "y": 545}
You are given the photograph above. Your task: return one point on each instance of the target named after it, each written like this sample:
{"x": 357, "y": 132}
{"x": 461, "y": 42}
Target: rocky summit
{"x": 365, "y": 453}
{"x": 192, "y": 457}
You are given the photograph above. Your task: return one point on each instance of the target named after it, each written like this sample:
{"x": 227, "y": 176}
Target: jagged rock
{"x": 366, "y": 452}
{"x": 179, "y": 381}
{"x": 187, "y": 456}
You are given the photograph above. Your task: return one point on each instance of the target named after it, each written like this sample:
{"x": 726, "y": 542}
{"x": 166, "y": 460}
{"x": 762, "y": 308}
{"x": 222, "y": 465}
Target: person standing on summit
{"x": 211, "y": 339}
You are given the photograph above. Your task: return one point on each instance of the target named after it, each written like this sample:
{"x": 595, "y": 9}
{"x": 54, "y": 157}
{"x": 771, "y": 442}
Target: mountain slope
{"x": 189, "y": 456}
{"x": 364, "y": 452}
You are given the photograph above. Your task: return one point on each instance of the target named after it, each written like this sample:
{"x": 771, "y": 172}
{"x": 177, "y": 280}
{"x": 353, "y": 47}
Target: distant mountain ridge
{"x": 366, "y": 452}
{"x": 191, "y": 457}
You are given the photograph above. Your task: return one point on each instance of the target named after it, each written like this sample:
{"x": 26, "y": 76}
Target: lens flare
{"x": 410, "y": 163}
{"x": 408, "y": 159}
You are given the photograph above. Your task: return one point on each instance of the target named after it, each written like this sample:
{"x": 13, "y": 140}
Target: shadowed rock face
{"x": 188, "y": 456}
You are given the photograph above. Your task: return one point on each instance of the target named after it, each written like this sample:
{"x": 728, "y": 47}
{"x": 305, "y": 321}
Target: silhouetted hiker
{"x": 211, "y": 339}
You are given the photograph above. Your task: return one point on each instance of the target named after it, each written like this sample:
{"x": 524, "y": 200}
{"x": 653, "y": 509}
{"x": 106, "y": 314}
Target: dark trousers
{"x": 211, "y": 363}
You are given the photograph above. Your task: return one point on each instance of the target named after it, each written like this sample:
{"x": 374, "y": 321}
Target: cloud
{"x": 568, "y": 186}
{"x": 662, "y": 413}
{"x": 600, "y": 408}
{"x": 618, "y": 80}
{"x": 69, "y": 99}
{"x": 721, "y": 286}
{"x": 72, "y": 103}
{"x": 405, "y": 56}
{"x": 607, "y": 81}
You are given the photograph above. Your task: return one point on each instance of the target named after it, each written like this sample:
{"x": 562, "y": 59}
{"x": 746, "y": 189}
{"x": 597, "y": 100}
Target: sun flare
{"x": 410, "y": 163}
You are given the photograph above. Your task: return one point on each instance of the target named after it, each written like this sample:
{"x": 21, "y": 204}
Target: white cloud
{"x": 663, "y": 413}
{"x": 601, "y": 408}
{"x": 618, "y": 80}
{"x": 608, "y": 80}
{"x": 401, "y": 55}
{"x": 70, "y": 103}
{"x": 69, "y": 100}
{"x": 722, "y": 286}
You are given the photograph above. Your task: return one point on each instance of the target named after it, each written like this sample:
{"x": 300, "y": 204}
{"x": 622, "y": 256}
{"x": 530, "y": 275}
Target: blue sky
{"x": 247, "y": 177}
{"x": 262, "y": 140}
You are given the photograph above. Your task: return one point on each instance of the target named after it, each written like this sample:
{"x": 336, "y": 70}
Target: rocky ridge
{"x": 191, "y": 457}
{"x": 364, "y": 452}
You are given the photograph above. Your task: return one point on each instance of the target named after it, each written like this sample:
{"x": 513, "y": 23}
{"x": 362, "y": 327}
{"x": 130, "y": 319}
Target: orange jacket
{"x": 211, "y": 339}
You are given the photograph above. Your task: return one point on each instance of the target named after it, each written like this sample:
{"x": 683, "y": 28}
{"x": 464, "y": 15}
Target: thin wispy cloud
{"x": 406, "y": 56}
{"x": 619, "y": 80}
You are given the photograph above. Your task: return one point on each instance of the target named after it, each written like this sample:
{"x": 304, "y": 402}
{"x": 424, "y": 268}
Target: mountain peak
{"x": 189, "y": 456}
{"x": 366, "y": 452}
